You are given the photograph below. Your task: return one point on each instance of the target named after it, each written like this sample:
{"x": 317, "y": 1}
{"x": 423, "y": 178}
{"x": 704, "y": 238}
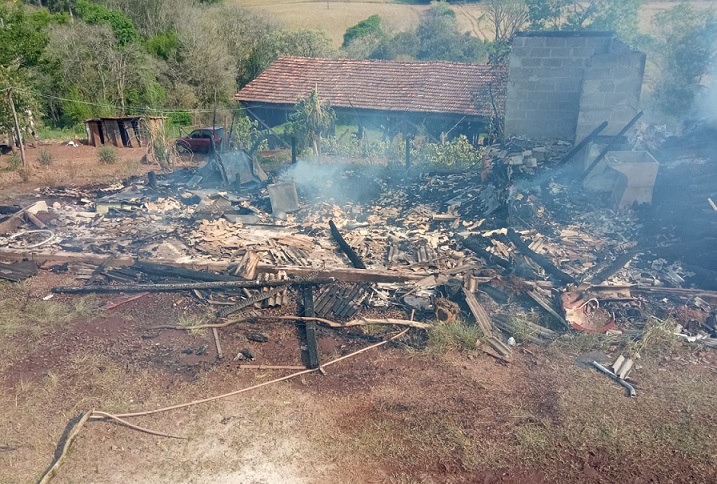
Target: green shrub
{"x": 107, "y": 155}
{"x": 14, "y": 161}
{"x": 45, "y": 157}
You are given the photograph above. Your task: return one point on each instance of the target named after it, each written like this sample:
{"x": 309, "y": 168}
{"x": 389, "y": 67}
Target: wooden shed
{"x": 122, "y": 131}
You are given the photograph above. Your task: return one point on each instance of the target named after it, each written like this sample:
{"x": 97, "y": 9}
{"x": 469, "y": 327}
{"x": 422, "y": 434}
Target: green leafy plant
{"x": 311, "y": 119}
{"x": 107, "y": 155}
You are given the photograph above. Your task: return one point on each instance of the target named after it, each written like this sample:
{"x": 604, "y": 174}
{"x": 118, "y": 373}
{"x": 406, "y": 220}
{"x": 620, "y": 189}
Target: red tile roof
{"x": 427, "y": 87}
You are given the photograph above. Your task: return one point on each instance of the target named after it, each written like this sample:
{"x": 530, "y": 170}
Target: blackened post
{"x": 345, "y": 247}
{"x": 582, "y": 144}
{"x": 293, "y": 150}
{"x": 307, "y": 293}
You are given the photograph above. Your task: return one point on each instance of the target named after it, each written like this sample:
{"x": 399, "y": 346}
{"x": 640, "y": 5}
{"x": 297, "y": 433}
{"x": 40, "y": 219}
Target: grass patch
{"x": 106, "y": 155}
{"x": 45, "y": 157}
{"x": 23, "y": 312}
{"x": 14, "y": 161}
{"x": 658, "y": 340}
{"x": 458, "y": 335}
{"x": 188, "y": 320}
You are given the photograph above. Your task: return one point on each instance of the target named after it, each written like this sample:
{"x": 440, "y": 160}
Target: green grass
{"x": 49, "y": 133}
{"x": 458, "y": 335}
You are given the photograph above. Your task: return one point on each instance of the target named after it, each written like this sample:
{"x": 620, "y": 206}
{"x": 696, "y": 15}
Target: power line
{"x": 118, "y": 108}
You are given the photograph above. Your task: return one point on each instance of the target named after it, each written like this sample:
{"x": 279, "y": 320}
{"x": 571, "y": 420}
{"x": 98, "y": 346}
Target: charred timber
{"x": 345, "y": 247}
{"x": 612, "y": 143}
{"x": 170, "y": 271}
{"x": 582, "y": 144}
{"x": 307, "y": 294}
{"x": 542, "y": 261}
{"x": 471, "y": 244}
{"x": 184, "y": 286}
{"x": 611, "y": 269}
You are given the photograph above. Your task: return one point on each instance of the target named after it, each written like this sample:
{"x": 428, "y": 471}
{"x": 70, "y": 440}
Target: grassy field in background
{"x": 335, "y": 17}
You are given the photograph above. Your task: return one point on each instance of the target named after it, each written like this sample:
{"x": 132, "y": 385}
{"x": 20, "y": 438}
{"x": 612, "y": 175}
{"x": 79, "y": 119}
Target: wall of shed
{"x": 562, "y": 85}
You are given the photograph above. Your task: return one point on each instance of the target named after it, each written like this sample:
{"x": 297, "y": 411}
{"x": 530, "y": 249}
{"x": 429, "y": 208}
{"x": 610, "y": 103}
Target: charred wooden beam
{"x": 345, "y": 274}
{"x": 307, "y": 296}
{"x": 609, "y": 146}
{"x": 345, "y": 247}
{"x": 542, "y": 261}
{"x": 582, "y": 144}
{"x": 471, "y": 244}
{"x": 182, "y": 286}
{"x": 170, "y": 271}
{"x": 98, "y": 270}
{"x": 611, "y": 269}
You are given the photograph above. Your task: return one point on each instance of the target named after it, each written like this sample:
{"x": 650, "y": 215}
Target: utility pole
{"x": 17, "y": 128}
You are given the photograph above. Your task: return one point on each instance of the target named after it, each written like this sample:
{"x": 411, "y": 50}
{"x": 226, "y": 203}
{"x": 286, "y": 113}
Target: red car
{"x": 200, "y": 140}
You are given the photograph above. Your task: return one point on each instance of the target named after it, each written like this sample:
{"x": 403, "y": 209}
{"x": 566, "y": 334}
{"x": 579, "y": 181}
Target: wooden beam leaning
{"x": 345, "y": 247}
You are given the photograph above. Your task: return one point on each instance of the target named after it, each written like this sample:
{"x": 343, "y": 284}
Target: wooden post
{"x": 307, "y": 293}
{"x": 293, "y": 150}
{"x": 17, "y": 128}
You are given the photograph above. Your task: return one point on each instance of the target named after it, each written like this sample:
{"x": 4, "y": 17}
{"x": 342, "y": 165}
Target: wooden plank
{"x": 545, "y": 304}
{"x": 479, "y": 313}
{"x": 112, "y": 133}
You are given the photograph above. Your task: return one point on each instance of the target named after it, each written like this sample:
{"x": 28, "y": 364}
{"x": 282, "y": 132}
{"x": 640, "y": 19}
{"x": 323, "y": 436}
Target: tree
{"x": 506, "y": 17}
{"x": 371, "y": 27}
{"x": 402, "y": 46}
{"x": 620, "y": 16}
{"x": 439, "y": 38}
{"x": 23, "y": 36}
{"x": 87, "y": 64}
{"x": 301, "y": 43}
{"x": 12, "y": 83}
{"x": 684, "y": 51}
{"x": 311, "y": 118}
{"x": 121, "y": 25}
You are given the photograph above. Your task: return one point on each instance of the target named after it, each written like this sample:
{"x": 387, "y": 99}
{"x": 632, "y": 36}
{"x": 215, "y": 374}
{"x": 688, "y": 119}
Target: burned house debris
{"x": 548, "y": 236}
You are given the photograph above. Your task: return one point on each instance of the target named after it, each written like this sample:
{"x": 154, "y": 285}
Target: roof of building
{"x": 426, "y": 87}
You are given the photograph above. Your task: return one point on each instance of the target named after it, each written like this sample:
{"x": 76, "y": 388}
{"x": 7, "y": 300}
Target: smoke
{"x": 707, "y": 101}
{"x": 337, "y": 181}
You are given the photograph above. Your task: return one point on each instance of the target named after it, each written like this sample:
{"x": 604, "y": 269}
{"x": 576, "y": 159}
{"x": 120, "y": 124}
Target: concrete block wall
{"x": 547, "y": 86}
{"x": 610, "y": 90}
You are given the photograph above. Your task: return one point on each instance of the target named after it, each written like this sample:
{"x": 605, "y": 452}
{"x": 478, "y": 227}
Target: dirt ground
{"x": 401, "y": 413}
{"x": 395, "y": 414}
{"x": 71, "y": 166}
